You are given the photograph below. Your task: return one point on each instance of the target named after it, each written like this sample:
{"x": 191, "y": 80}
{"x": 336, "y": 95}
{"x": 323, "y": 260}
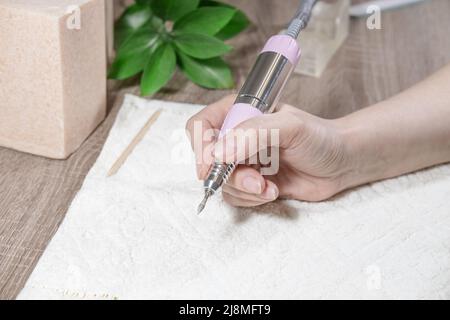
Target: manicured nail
{"x": 217, "y": 152}
{"x": 199, "y": 176}
{"x": 270, "y": 194}
{"x": 221, "y": 152}
{"x": 252, "y": 185}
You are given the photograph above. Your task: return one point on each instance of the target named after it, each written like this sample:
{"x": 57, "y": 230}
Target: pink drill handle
{"x": 239, "y": 113}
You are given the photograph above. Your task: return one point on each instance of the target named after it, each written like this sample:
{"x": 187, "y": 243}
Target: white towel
{"x": 137, "y": 235}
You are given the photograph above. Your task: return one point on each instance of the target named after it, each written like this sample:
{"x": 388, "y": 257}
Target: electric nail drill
{"x": 261, "y": 90}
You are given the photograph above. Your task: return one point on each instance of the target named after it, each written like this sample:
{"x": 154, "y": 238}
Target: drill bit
{"x": 202, "y": 204}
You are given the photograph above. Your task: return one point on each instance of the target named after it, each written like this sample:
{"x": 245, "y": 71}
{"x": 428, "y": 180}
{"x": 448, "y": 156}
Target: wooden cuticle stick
{"x": 136, "y": 140}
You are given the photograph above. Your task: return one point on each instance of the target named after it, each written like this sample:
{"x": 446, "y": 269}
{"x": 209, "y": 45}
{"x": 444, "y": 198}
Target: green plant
{"x": 154, "y": 36}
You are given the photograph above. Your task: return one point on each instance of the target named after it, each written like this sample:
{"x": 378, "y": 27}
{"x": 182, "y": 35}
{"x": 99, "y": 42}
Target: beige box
{"x": 52, "y": 74}
{"x": 109, "y": 20}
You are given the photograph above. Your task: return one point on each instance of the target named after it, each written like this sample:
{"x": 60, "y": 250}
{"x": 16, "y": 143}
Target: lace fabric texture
{"x": 137, "y": 235}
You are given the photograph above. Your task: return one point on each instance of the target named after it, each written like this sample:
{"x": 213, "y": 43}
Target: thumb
{"x": 256, "y": 134}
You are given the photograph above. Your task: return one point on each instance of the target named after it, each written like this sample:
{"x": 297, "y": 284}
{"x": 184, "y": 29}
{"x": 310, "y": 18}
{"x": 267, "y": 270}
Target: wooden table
{"x": 35, "y": 193}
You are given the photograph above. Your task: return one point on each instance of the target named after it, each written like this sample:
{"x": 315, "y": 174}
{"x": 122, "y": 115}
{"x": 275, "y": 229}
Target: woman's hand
{"x": 313, "y": 157}
{"x": 319, "y": 158}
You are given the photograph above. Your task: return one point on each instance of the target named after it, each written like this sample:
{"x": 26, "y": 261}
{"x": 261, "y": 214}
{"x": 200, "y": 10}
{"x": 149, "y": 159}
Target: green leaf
{"x": 141, "y": 41}
{"x": 200, "y": 46}
{"x": 159, "y": 70}
{"x": 173, "y": 9}
{"x": 133, "y": 55}
{"x": 205, "y": 20}
{"x": 237, "y": 24}
{"x": 212, "y": 73}
{"x": 134, "y": 17}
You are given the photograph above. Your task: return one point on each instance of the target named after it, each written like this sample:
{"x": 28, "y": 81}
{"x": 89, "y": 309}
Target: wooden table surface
{"x": 35, "y": 193}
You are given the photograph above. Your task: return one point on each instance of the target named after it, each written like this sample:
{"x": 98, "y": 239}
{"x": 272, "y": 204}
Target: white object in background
{"x": 326, "y": 32}
{"x": 137, "y": 234}
{"x": 360, "y": 10}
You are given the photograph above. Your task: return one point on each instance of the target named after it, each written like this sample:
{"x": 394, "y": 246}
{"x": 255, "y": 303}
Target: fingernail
{"x": 221, "y": 152}
{"x": 217, "y": 152}
{"x": 270, "y": 194}
{"x": 199, "y": 176}
{"x": 252, "y": 185}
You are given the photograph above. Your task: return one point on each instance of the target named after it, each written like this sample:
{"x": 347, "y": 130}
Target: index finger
{"x": 200, "y": 129}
